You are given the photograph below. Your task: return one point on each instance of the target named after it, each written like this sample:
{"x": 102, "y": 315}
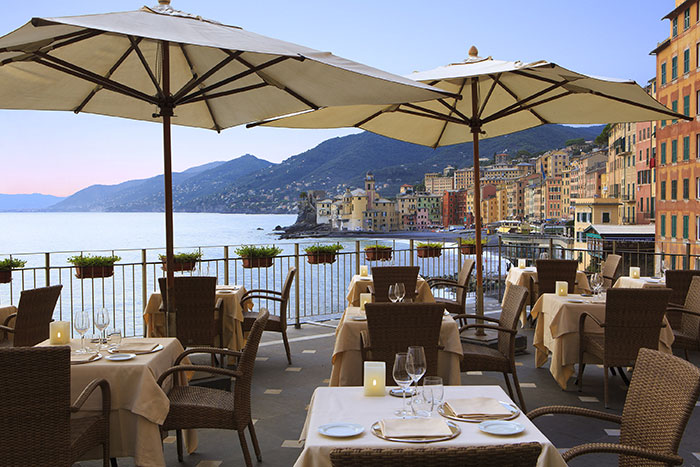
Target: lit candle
{"x": 375, "y": 378}
{"x": 364, "y": 271}
{"x": 522, "y": 263}
{"x": 365, "y": 298}
{"x": 634, "y": 272}
{"x": 59, "y": 332}
{"x": 562, "y": 288}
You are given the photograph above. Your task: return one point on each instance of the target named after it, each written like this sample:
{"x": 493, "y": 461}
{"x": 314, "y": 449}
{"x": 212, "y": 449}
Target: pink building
{"x": 644, "y": 210}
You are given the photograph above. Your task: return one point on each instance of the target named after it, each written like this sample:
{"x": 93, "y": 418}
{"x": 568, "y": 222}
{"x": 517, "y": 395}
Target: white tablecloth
{"x": 359, "y": 284}
{"x": 349, "y": 405}
{"x": 627, "y": 282}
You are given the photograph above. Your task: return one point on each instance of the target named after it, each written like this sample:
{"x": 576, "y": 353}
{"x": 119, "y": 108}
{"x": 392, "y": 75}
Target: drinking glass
{"x": 400, "y": 291}
{"x": 597, "y": 283}
{"x": 663, "y": 267}
{"x": 114, "y": 338}
{"x": 544, "y": 255}
{"x": 392, "y": 293}
{"x": 437, "y": 390}
{"x": 101, "y": 323}
{"x": 402, "y": 378}
{"x": 416, "y": 365}
{"x": 81, "y": 324}
{"x": 422, "y": 402}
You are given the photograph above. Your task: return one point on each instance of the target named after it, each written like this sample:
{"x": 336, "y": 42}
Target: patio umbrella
{"x": 495, "y": 98}
{"x": 163, "y": 65}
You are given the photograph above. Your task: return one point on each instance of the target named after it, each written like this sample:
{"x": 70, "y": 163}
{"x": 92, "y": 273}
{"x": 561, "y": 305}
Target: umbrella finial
{"x": 473, "y": 51}
{"x": 164, "y": 2}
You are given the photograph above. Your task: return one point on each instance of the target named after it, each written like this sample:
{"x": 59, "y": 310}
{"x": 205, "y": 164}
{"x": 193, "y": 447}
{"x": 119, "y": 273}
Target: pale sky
{"x": 59, "y": 152}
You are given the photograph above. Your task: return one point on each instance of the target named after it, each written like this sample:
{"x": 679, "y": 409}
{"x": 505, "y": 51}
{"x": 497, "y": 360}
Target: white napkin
{"x": 414, "y": 427}
{"x": 78, "y": 358}
{"x": 485, "y": 408}
{"x": 135, "y": 347}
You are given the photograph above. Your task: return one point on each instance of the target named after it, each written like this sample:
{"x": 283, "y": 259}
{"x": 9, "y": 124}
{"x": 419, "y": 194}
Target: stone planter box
{"x": 93, "y": 272}
{"x": 429, "y": 252}
{"x": 257, "y": 262}
{"x": 181, "y": 266}
{"x": 378, "y": 254}
{"x": 321, "y": 258}
{"x": 468, "y": 249}
{"x": 5, "y": 276}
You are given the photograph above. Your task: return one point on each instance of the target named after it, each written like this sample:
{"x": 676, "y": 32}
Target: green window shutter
{"x": 686, "y": 106}
{"x": 663, "y": 74}
{"x": 674, "y": 151}
{"x": 685, "y": 226}
{"x": 674, "y": 107}
{"x": 674, "y": 68}
{"x": 673, "y": 226}
{"x": 686, "y": 61}
{"x": 674, "y": 26}
{"x": 663, "y": 153}
{"x": 686, "y": 148}
{"x": 686, "y": 188}
{"x": 663, "y": 190}
{"x": 663, "y": 225}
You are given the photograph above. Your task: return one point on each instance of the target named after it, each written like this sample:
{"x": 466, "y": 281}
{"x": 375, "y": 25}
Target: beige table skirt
{"x": 359, "y": 284}
{"x": 6, "y": 311}
{"x": 556, "y": 332}
{"x": 349, "y": 405}
{"x": 626, "y": 282}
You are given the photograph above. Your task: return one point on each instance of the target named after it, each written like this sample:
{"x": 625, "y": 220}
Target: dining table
{"x": 627, "y": 282}
{"x": 139, "y": 405}
{"x": 347, "y": 362}
{"x": 556, "y": 332}
{"x": 360, "y": 284}
{"x": 349, "y": 405}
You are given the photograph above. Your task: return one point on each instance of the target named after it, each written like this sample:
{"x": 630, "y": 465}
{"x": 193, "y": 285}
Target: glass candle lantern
{"x": 375, "y": 378}
{"x": 562, "y": 288}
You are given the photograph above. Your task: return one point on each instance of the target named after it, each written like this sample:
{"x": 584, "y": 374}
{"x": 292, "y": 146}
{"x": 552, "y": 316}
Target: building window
{"x": 674, "y": 151}
{"x": 674, "y": 107}
{"x": 697, "y": 227}
{"x": 663, "y": 153}
{"x": 674, "y": 68}
{"x": 606, "y": 218}
{"x": 662, "y": 189}
{"x": 663, "y": 225}
{"x": 686, "y": 105}
{"x": 697, "y": 187}
{"x": 673, "y": 226}
{"x": 686, "y": 19}
{"x": 686, "y": 61}
{"x": 663, "y": 70}
{"x": 674, "y": 27}
{"x": 686, "y": 148}
{"x": 686, "y": 188}
{"x": 674, "y": 190}
{"x": 685, "y": 226}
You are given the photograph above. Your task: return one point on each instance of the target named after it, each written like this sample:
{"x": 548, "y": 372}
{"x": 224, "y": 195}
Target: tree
{"x": 602, "y": 138}
{"x": 575, "y": 142}
{"x": 523, "y": 152}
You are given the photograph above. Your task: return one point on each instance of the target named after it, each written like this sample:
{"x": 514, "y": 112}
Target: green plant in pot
{"x": 90, "y": 267}
{"x": 378, "y": 253}
{"x": 182, "y": 261}
{"x": 318, "y": 254}
{"x": 468, "y": 246}
{"x": 429, "y": 249}
{"x": 257, "y": 256}
{"x": 6, "y": 267}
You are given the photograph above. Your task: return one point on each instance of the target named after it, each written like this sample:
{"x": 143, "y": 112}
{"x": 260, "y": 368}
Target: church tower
{"x": 369, "y": 189}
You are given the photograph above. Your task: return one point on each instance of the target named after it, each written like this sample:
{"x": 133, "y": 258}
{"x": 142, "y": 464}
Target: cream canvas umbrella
{"x": 163, "y": 65}
{"x": 495, "y": 98}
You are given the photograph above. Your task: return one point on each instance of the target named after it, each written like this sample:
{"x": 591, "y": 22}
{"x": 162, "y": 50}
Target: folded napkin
{"x": 77, "y": 358}
{"x": 485, "y": 408}
{"x": 414, "y": 427}
{"x": 135, "y": 347}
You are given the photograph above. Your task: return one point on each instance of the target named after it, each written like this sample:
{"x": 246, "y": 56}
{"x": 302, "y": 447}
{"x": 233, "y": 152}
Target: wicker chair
{"x": 276, "y": 323}
{"x": 461, "y": 286}
{"x": 33, "y": 316}
{"x": 610, "y": 270}
{"x": 384, "y": 276}
{"x": 201, "y": 407}
{"x": 678, "y": 280}
{"x": 393, "y": 327}
{"x": 482, "y": 358}
{"x": 659, "y": 402}
{"x": 633, "y": 320}
{"x": 36, "y": 424}
{"x": 687, "y": 335}
{"x": 549, "y": 271}
{"x": 508, "y": 455}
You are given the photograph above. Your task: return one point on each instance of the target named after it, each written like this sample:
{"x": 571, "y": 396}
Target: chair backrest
{"x": 549, "y": 271}
{"x": 463, "y": 277}
{"x": 34, "y": 313}
{"x": 690, "y": 324}
{"x": 384, "y": 276}
{"x": 35, "y": 398}
{"x": 393, "y": 327}
{"x": 286, "y": 291}
{"x": 610, "y": 270}
{"x": 633, "y": 319}
{"x": 513, "y": 303}
{"x": 679, "y": 280}
{"x": 246, "y": 364}
{"x": 195, "y": 299}
{"x": 508, "y": 455}
{"x": 660, "y": 400}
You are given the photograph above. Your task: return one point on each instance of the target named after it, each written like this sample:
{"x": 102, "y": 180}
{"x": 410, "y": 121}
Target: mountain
{"x": 34, "y": 201}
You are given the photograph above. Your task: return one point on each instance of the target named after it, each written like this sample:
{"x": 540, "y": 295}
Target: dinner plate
{"x": 456, "y": 430}
{"x": 398, "y": 392}
{"x": 575, "y": 300}
{"x": 157, "y": 348}
{"x": 653, "y": 280}
{"x": 120, "y": 357}
{"x": 501, "y": 427}
{"x": 341, "y": 430}
{"x": 514, "y": 412}
{"x": 359, "y": 318}
{"x": 225, "y": 291}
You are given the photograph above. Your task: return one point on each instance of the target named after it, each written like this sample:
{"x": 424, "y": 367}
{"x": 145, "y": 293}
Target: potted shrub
{"x": 429, "y": 250}
{"x": 182, "y": 261}
{"x": 6, "y": 267}
{"x": 468, "y": 246}
{"x": 378, "y": 253}
{"x": 89, "y": 267}
{"x": 318, "y": 254}
{"x": 257, "y": 256}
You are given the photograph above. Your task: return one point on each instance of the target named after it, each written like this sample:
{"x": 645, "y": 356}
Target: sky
{"x": 59, "y": 153}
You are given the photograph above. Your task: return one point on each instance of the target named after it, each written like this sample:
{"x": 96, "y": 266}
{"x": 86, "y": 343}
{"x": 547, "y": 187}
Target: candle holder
{"x": 635, "y": 272}
{"x": 522, "y": 263}
{"x": 365, "y": 298}
{"x": 364, "y": 272}
{"x": 59, "y": 333}
{"x": 375, "y": 379}
{"x": 562, "y": 288}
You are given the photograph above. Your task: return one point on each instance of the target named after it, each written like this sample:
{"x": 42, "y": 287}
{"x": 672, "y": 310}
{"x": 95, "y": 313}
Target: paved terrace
{"x": 281, "y": 394}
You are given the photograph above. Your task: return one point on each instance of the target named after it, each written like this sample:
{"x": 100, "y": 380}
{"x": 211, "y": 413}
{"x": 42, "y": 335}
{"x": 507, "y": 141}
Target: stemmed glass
{"x": 101, "y": 323}
{"x": 544, "y": 255}
{"x": 393, "y": 296}
{"x": 402, "y": 378}
{"x": 663, "y": 268}
{"x": 597, "y": 283}
{"x": 81, "y": 324}
{"x": 400, "y": 291}
{"x": 416, "y": 365}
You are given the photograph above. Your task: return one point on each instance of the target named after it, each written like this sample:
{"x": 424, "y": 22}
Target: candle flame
{"x": 58, "y": 334}
{"x": 374, "y": 382}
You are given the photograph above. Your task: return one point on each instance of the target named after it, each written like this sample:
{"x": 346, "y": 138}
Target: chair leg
{"x": 685, "y": 349}
{"x": 255, "y": 441}
{"x": 581, "y": 367}
{"x": 517, "y": 389}
{"x": 244, "y": 448}
{"x": 286, "y": 346}
{"x": 623, "y": 376}
{"x": 510, "y": 390}
{"x": 113, "y": 462}
{"x": 178, "y": 435}
{"x": 605, "y": 385}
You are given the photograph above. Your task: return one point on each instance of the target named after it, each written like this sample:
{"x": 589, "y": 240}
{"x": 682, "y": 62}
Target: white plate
{"x": 501, "y": 427}
{"x": 359, "y": 318}
{"x": 225, "y": 291}
{"x": 652, "y": 280}
{"x": 575, "y": 300}
{"x": 157, "y": 348}
{"x": 120, "y": 357}
{"x": 341, "y": 430}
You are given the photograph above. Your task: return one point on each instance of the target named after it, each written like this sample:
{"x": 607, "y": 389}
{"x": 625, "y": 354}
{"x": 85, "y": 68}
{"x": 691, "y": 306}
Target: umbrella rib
{"x": 496, "y": 79}
{"x": 525, "y": 107}
{"x": 515, "y": 96}
{"x": 217, "y": 127}
{"x": 116, "y": 65}
{"x": 435, "y": 117}
{"x": 453, "y": 108}
{"x": 638, "y": 104}
{"x": 520, "y": 103}
{"x": 72, "y": 39}
{"x": 199, "y": 80}
{"x": 371, "y": 117}
{"x": 146, "y": 67}
{"x": 430, "y": 111}
{"x": 224, "y": 93}
{"x": 79, "y": 35}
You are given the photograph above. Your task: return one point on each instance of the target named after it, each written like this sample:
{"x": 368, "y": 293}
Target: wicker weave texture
{"x": 610, "y": 270}
{"x": 463, "y": 277}
{"x": 384, "y": 276}
{"x": 679, "y": 281}
{"x": 509, "y": 455}
{"x": 551, "y": 270}
{"x": 688, "y": 335}
{"x": 34, "y": 313}
{"x": 195, "y": 299}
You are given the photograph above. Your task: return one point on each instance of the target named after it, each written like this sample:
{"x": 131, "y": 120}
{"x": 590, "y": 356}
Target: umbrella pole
{"x": 166, "y": 112}
{"x": 475, "y": 129}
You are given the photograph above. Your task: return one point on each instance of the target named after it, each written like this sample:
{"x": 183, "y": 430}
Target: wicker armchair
{"x": 461, "y": 286}
{"x": 633, "y": 320}
{"x": 36, "y": 424}
{"x": 549, "y": 271}
{"x": 201, "y": 407}
{"x": 276, "y": 323}
{"x": 508, "y": 455}
{"x": 659, "y": 402}
{"x": 678, "y": 280}
{"x": 384, "y": 276}
{"x": 482, "y": 358}
{"x": 687, "y": 335}
{"x": 393, "y": 327}
{"x": 34, "y": 312}
{"x": 610, "y": 270}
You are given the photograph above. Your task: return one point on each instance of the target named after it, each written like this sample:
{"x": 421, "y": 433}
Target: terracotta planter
{"x": 257, "y": 262}
{"x": 321, "y": 258}
{"x": 382, "y": 254}
{"x": 92, "y": 272}
{"x": 5, "y": 276}
{"x": 181, "y": 266}
{"x": 429, "y": 252}
{"x": 468, "y": 249}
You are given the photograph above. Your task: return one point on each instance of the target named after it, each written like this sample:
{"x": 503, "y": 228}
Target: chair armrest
{"x": 444, "y": 283}
{"x": 219, "y": 304}
{"x": 210, "y": 350}
{"x": 582, "y": 319}
{"x": 683, "y": 310}
{"x": 669, "y": 458}
{"x": 6, "y": 328}
{"x": 200, "y": 368}
{"x": 487, "y": 326}
{"x": 259, "y": 291}
{"x": 434, "y": 280}
{"x": 262, "y": 297}
{"x": 570, "y": 410}
{"x": 89, "y": 389}
{"x": 467, "y": 316}
{"x": 10, "y": 317}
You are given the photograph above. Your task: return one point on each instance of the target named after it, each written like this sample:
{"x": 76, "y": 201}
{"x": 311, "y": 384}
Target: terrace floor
{"x": 281, "y": 394}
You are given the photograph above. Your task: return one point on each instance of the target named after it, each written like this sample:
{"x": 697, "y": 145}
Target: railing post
{"x": 686, "y": 260}
{"x": 614, "y": 247}
{"x": 410, "y": 251}
{"x": 500, "y": 261}
{"x": 47, "y": 268}
{"x": 551, "y": 248}
{"x": 297, "y": 323}
{"x": 144, "y": 286}
{"x": 226, "y": 265}
{"x": 357, "y": 257}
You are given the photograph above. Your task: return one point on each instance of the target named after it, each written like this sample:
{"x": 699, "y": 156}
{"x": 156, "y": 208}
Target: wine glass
{"x": 402, "y": 378}
{"x": 101, "y": 323}
{"x": 81, "y": 324}
{"x": 392, "y": 293}
{"x": 400, "y": 291}
{"x": 544, "y": 255}
{"x": 663, "y": 268}
{"x": 437, "y": 390}
{"x": 416, "y": 365}
{"x": 597, "y": 283}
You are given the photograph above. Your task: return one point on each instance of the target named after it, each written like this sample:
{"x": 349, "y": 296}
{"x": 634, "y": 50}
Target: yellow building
{"x": 383, "y": 218}
{"x": 622, "y": 169}
{"x": 588, "y": 211}
{"x": 552, "y": 163}
{"x": 436, "y": 183}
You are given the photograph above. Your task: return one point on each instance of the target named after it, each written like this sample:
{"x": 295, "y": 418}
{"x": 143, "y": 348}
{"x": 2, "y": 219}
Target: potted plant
{"x": 378, "y": 253}
{"x": 6, "y": 267}
{"x": 318, "y": 254}
{"x": 468, "y": 246}
{"x": 257, "y": 256}
{"x": 182, "y": 261}
{"x": 429, "y": 250}
{"x": 89, "y": 267}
